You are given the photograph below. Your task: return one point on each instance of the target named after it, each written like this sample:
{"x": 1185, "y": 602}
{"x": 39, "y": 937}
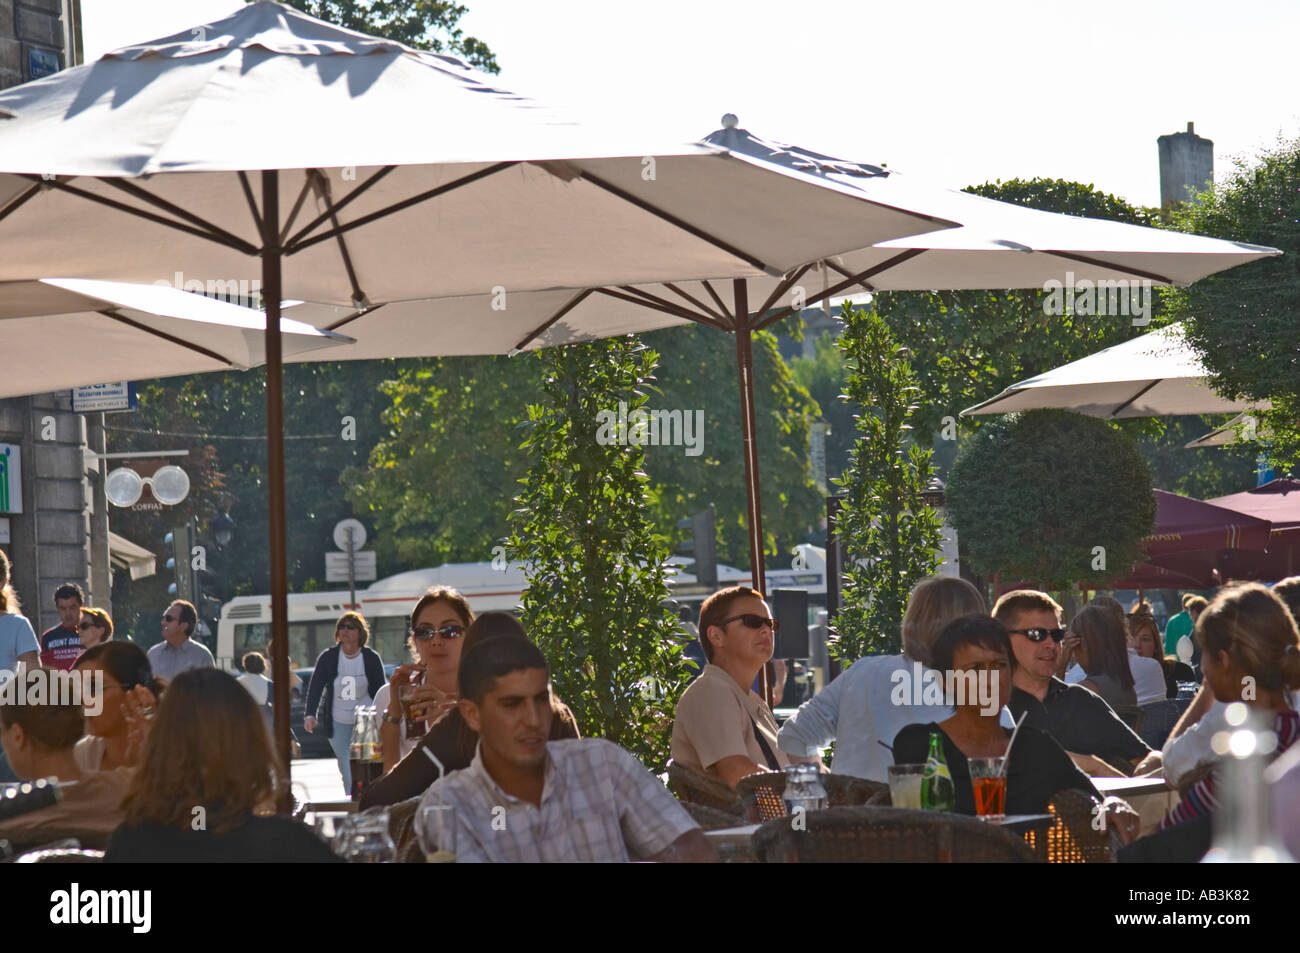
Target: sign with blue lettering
{"x": 105, "y": 398}
{"x": 41, "y": 63}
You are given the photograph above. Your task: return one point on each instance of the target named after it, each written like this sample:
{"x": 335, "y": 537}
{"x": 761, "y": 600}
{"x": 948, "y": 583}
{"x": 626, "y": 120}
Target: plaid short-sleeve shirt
{"x": 599, "y": 804}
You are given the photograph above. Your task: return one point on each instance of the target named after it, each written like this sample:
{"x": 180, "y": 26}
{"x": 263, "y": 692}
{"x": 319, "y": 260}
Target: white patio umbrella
{"x": 118, "y": 331}
{"x": 1232, "y": 432}
{"x": 998, "y": 245}
{"x": 348, "y": 169}
{"x": 1155, "y": 375}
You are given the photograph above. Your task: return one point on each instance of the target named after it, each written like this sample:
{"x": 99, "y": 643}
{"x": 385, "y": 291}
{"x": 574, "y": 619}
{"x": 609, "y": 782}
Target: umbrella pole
{"x": 745, "y": 364}
{"x": 275, "y": 474}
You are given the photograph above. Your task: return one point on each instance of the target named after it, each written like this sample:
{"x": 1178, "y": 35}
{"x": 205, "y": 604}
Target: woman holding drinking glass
{"x": 423, "y": 689}
{"x": 345, "y": 678}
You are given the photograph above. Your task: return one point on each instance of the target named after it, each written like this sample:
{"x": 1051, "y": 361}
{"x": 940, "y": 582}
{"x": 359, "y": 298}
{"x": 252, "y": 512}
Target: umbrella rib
{"x": 847, "y": 283}
{"x": 667, "y": 307}
{"x": 672, "y": 219}
{"x": 542, "y": 328}
{"x": 298, "y": 246}
{"x": 352, "y": 317}
{"x": 237, "y": 243}
{"x": 866, "y": 285}
{"x": 1134, "y": 397}
{"x": 1084, "y": 259}
{"x": 130, "y": 188}
{"x": 693, "y": 300}
{"x": 170, "y": 338}
{"x": 358, "y": 296}
{"x": 645, "y": 298}
{"x": 18, "y": 201}
{"x": 782, "y": 287}
{"x": 718, "y": 299}
{"x": 355, "y": 193}
{"x": 297, "y": 205}
{"x": 252, "y": 203}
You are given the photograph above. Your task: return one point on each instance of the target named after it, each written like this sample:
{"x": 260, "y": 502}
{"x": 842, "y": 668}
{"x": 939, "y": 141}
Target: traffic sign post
{"x": 350, "y": 536}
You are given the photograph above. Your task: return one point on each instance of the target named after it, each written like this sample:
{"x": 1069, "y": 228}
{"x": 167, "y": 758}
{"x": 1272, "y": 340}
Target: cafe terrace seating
{"x": 887, "y": 835}
{"x": 762, "y": 793}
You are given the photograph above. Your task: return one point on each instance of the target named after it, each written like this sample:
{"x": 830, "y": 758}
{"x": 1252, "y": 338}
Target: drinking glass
{"x": 905, "y": 785}
{"x": 435, "y": 826}
{"x": 989, "y": 783}
{"x": 364, "y": 838}
{"x": 415, "y": 726}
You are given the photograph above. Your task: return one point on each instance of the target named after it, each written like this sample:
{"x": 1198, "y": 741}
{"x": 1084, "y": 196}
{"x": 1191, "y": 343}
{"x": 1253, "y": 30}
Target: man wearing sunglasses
{"x": 1079, "y": 721}
{"x": 178, "y": 652}
{"x": 722, "y": 727}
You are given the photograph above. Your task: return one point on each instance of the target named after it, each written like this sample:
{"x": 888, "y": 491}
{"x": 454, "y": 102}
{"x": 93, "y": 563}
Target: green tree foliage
{"x": 824, "y": 376}
{"x": 438, "y": 484}
{"x": 891, "y": 538}
{"x": 423, "y": 24}
{"x": 697, "y": 371}
{"x": 968, "y": 345}
{"x": 1243, "y": 321}
{"x": 597, "y": 590}
{"x": 1051, "y": 498}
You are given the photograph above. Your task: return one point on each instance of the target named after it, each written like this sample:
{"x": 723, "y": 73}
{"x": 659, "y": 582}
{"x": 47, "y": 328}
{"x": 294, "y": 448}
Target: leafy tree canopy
{"x": 1243, "y": 321}
{"x": 423, "y": 24}
{"x": 1051, "y": 498}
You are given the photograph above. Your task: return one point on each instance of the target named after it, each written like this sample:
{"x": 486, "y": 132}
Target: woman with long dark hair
{"x": 124, "y": 666}
{"x": 207, "y": 784}
{"x": 1103, "y": 653}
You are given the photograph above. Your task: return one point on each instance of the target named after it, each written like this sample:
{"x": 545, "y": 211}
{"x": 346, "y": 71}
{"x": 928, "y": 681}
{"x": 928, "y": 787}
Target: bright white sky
{"x": 948, "y": 91}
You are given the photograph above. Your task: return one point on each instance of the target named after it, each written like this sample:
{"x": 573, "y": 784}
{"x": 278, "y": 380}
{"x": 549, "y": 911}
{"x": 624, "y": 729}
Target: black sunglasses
{"x": 451, "y": 631}
{"x": 349, "y": 625}
{"x": 1038, "y": 635}
{"x": 171, "y": 618}
{"x": 753, "y": 621}
{"x": 83, "y": 626}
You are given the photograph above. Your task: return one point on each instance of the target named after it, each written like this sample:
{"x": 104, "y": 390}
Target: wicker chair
{"x": 710, "y": 818}
{"x": 697, "y": 788}
{"x": 1073, "y": 839}
{"x": 887, "y": 834}
{"x": 762, "y": 793}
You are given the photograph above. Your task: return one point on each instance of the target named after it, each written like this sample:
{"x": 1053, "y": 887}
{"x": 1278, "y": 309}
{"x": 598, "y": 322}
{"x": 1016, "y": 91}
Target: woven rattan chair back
{"x": 888, "y": 835}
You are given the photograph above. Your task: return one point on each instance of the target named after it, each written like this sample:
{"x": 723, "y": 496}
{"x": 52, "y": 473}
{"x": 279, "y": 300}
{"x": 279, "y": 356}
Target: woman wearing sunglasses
{"x": 346, "y": 677}
{"x": 438, "y": 624}
{"x": 95, "y": 627}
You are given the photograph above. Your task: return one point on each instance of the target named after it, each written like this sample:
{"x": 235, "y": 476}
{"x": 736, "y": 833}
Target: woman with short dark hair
{"x": 207, "y": 784}
{"x": 96, "y": 626}
{"x": 124, "y": 667}
{"x": 977, "y": 651}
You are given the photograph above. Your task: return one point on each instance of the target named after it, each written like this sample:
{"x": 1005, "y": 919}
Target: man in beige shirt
{"x": 722, "y": 727}
{"x": 40, "y": 740}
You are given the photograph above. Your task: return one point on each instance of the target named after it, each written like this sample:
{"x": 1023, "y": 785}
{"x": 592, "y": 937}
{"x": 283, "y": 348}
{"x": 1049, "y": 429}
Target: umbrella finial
{"x": 729, "y": 121}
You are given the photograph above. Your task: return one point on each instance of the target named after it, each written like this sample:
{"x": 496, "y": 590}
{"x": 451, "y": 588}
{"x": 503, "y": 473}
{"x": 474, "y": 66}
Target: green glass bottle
{"x": 937, "y": 790}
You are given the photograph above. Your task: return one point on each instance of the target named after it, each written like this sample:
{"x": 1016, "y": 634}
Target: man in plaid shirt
{"x": 526, "y": 799}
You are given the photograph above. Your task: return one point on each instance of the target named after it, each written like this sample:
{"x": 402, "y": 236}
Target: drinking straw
{"x": 438, "y": 764}
{"x": 1006, "y": 756}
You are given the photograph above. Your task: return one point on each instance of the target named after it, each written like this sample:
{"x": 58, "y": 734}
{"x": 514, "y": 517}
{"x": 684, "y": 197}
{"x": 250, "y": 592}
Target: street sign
{"x": 11, "y": 478}
{"x": 358, "y": 540}
{"x": 364, "y": 567}
{"x": 105, "y": 398}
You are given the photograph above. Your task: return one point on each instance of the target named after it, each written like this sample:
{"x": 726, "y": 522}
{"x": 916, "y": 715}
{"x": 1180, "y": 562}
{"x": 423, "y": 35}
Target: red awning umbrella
{"x": 1279, "y": 502}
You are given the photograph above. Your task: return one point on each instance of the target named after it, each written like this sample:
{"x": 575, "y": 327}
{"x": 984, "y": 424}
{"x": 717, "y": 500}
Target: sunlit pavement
{"x": 320, "y": 778}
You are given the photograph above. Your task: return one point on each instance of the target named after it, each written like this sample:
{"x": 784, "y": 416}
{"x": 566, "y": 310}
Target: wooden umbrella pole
{"x": 275, "y": 474}
{"x": 745, "y": 364}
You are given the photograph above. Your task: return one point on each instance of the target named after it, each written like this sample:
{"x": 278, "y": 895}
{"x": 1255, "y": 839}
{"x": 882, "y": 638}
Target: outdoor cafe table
{"x": 1152, "y": 798}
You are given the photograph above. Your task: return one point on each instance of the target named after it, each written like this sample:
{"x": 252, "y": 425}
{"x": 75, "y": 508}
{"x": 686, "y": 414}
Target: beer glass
{"x": 435, "y": 826}
{"x": 905, "y": 785}
{"x": 414, "y": 726}
{"x": 989, "y": 782}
